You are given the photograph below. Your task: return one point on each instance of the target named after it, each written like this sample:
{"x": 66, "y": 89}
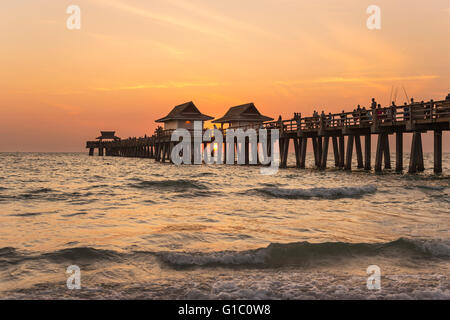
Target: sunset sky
{"x": 133, "y": 60}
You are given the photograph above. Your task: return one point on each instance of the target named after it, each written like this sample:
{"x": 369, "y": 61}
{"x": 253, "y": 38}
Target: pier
{"x": 343, "y": 132}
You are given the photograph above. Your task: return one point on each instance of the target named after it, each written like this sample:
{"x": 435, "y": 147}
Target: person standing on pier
{"x": 343, "y": 118}
{"x": 364, "y": 115}
{"x": 393, "y": 112}
{"x": 412, "y": 108}
{"x": 298, "y": 118}
{"x": 373, "y": 108}
{"x": 406, "y": 111}
{"x": 379, "y": 113}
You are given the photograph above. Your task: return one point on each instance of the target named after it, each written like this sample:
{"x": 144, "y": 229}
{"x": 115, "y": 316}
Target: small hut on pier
{"x": 108, "y": 136}
{"x": 242, "y": 115}
{"x": 183, "y": 116}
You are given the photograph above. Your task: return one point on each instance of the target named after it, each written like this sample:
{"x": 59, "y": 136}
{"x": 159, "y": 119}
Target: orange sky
{"x": 133, "y": 60}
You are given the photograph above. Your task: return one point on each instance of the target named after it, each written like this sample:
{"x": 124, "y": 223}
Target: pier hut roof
{"x": 185, "y": 111}
{"x": 246, "y": 112}
{"x": 108, "y": 135}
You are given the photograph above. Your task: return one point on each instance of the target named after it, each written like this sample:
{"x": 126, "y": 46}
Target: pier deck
{"x": 416, "y": 118}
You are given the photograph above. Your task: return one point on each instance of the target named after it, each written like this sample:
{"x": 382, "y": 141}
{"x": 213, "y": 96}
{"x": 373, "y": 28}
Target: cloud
{"x": 338, "y": 80}
{"x": 169, "y": 85}
{"x": 165, "y": 47}
{"x": 213, "y": 15}
{"x": 159, "y": 17}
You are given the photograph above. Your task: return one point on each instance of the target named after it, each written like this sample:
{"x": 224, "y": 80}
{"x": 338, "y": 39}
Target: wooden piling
{"x": 420, "y": 163}
{"x": 297, "y": 149}
{"x": 335, "y": 151}
{"x": 413, "y": 155}
{"x": 247, "y": 150}
{"x": 386, "y": 151}
{"x": 319, "y": 149}
{"x": 399, "y": 152}
{"x": 359, "y": 156}
{"x": 348, "y": 156}
{"x": 341, "y": 151}
{"x": 437, "y": 151}
{"x": 304, "y": 144}
{"x": 367, "y": 151}
{"x": 323, "y": 162}
{"x": 379, "y": 153}
{"x": 315, "y": 151}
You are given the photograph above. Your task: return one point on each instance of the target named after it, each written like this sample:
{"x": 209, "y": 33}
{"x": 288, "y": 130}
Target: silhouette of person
{"x": 374, "y": 104}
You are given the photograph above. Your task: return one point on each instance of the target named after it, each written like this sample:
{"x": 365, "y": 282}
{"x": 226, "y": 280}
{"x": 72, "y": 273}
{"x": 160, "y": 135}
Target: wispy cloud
{"x": 162, "y": 18}
{"x": 163, "y": 46}
{"x": 218, "y": 18}
{"x": 338, "y": 80}
{"x": 168, "y": 85}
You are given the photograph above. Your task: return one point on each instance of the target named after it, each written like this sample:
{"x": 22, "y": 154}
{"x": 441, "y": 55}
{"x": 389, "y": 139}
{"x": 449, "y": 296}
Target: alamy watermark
{"x": 74, "y": 280}
{"x": 374, "y": 20}
{"x": 188, "y": 150}
{"x": 374, "y": 279}
{"x": 74, "y": 20}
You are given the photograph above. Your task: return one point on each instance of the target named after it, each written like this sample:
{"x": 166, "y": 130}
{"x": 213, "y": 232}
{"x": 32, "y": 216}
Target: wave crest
{"x": 169, "y": 184}
{"x": 303, "y": 253}
{"x": 324, "y": 193}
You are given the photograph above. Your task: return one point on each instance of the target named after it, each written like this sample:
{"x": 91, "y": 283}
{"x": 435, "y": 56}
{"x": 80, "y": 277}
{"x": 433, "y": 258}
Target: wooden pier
{"x": 345, "y": 130}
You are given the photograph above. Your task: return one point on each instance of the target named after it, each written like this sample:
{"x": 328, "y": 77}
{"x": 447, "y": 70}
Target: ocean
{"x": 137, "y": 229}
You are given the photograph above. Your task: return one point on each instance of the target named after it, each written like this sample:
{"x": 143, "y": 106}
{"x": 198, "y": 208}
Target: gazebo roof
{"x": 108, "y": 135}
{"x": 245, "y": 112}
{"x": 185, "y": 111}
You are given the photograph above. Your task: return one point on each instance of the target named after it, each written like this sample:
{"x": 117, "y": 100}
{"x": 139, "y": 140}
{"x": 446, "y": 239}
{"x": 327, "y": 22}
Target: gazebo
{"x": 108, "y": 135}
{"x": 243, "y": 115}
{"x": 183, "y": 116}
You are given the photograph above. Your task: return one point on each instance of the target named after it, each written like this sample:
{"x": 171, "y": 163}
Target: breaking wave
{"x": 324, "y": 193}
{"x": 303, "y": 253}
{"x": 168, "y": 184}
{"x": 274, "y": 255}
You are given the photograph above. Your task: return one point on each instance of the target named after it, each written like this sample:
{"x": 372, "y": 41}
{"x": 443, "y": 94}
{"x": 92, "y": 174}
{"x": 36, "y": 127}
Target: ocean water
{"x": 143, "y": 230}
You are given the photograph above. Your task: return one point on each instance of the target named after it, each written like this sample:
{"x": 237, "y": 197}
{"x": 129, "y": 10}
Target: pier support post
{"x": 379, "y": 153}
{"x": 297, "y": 147}
{"x": 413, "y": 155}
{"x": 247, "y": 150}
{"x": 100, "y": 151}
{"x": 348, "y": 156}
{"x": 164, "y": 152}
{"x": 420, "y": 164}
{"x": 416, "y": 157}
{"x": 359, "y": 156}
{"x": 341, "y": 151}
{"x": 437, "y": 151}
{"x": 335, "y": 151}
{"x": 284, "y": 148}
{"x": 323, "y": 162}
{"x": 387, "y": 152}
{"x": 367, "y": 152}
{"x": 399, "y": 152}
{"x": 319, "y": 149}
{"x": 315, "y": 151}
{"x": 303, "y": 153}
{"x": 91, "y": 151}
